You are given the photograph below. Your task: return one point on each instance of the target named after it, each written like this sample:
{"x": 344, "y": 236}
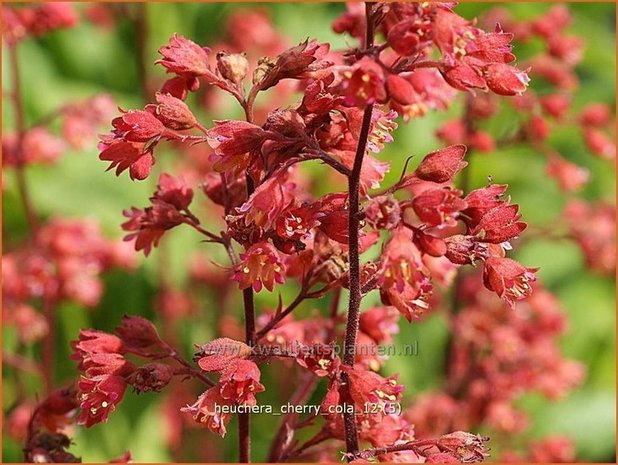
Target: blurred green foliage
{"x": 86, "y": 60}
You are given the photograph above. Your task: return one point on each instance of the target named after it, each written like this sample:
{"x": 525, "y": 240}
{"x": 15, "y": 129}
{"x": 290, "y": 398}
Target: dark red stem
{"x": 351, "y": 330}
{"x": 20, "y": 128}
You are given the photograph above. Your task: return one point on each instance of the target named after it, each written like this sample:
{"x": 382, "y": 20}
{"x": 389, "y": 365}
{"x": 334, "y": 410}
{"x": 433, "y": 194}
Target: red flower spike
{"x": 172, "y": 112}
{"x": 506, "y": 80}
{"x": 219, "y": 353}
{"x": 138, "y": 333}
{"x": 207, "y": 411}
{"x": 442, "y": 165}
{"x": 260, "y": 266}
{"x": 98, "y": 398}
{"x": 508, "y": 279}
{"x": 184, "y": 57}
{"x": 240, "y": 381}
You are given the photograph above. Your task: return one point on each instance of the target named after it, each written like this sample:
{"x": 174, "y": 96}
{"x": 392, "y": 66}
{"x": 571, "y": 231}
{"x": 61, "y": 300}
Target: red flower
{"x": 570, "y": 176}
{"x": 600, "y": 143}
{"x": 207, "y": 410}
{"x": 260, "y": 266}
{"x": 240, "y": 381}
{"x": 174, "y": 191}
{"x": 232, "y": 140}
{"x": 383, "y": 212}
{"x": 184, "y": 57}
{"x": 439, "y": 207}
{"x": 596, "y": 114}
{"x": 506, "y": 80}
{"x": 442, "y": 165}
{"x": 321, "y": 359}
{"x": 148, "y": 226}
{"x": 480, "y": 201}
{"x": 403, "y": 280}
{"x": 93, "y": 341}
{"x": 98, "y": 398}
{"x": 140, "y": 126}
{"x": 508, "y": 279}
{"x": 363, "y": 84}
{"x": 500, "y": 224}
{"x": 123, "y": 155}
{"x": 380, "y": 323}
{"x": 293, "y": 63}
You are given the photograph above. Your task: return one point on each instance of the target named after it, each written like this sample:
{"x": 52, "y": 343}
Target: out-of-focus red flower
{"x": 570, "y": 176}
{"x": 596, "y": 114}
{"x": 600, "y": 143}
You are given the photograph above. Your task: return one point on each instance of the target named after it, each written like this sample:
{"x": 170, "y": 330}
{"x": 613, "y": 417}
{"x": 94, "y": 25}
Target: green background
{"x": 86, "y": 60}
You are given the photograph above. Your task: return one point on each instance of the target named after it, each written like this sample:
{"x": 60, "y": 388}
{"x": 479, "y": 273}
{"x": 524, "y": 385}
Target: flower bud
{"x": 172, "y": 112}
{"x": 137, "y": 332}
{"x": 151, "y": 377}
{"x": 442, "y": 165}
{"x": 232, "y": 66}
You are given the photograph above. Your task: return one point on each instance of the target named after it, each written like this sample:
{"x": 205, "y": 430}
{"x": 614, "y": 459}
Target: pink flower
{"x": 260, "y": 265}
{"x": 98, "y": 398}
{"x": 240, "y": 381}
{"x": 207, "y": 410}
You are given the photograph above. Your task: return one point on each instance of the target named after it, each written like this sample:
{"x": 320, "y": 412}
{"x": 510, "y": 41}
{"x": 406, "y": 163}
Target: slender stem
{"x": 351, "y": 330}
{"x": 191, "y": 370}
{"x": 303, "y": 391}
{"x": 20, "y": 127}
{"x": 244, "y": 422}
{"x": 49, "y": 311}
{"x": 280, "y": 316}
